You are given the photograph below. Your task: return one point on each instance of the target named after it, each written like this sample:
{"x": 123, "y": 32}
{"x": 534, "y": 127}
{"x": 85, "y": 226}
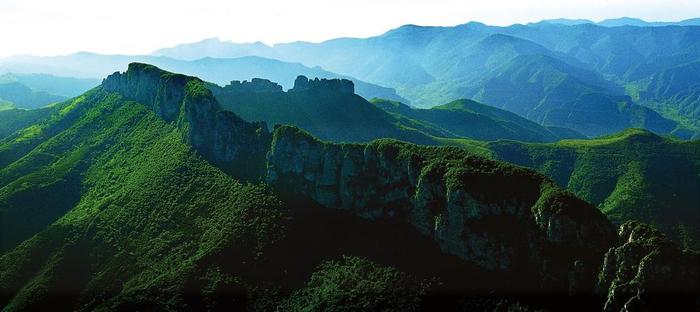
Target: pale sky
{"x": 52, "y": 27}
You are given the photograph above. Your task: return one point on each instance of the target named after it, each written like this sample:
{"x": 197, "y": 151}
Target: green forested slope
{"x": 634, "y": 174}
{"x": 114, "y": 204}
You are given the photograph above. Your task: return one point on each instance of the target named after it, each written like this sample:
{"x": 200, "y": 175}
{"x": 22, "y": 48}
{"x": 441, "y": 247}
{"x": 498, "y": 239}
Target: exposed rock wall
{"x": 648, "y": 272}
{"x": 500, "y": 217}
{"x": 223, "y": 138}
{"x": 335, "y": 85}
{"x": 256, "y": 85}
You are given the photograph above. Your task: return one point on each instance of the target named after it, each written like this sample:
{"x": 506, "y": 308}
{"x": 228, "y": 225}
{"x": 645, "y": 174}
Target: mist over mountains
{"x": 555, "y": 73}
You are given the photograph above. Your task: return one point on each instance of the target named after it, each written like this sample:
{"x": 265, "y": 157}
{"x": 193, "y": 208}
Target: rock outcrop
{"x": 223, "y": 138}
{"x": 333, "y": 85}
{"x": 503, "y": 218}
{"x": 648, "y": 272}
{"x": 256, "y": 85}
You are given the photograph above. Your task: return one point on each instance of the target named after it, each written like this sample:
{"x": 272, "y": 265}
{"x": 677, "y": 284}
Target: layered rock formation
{"x": 502, "y": 218}
{"x": 220, "y": 136}
{"x": 645, "y": 271}
{"x": 334, "y": 85}
{"x": 256, "y": 85}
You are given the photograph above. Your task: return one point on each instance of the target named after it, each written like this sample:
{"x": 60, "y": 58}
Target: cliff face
{"x": 502, "y": 218}
{"x": 220, "y": 136}
{"x": 302, "y": 83}
{"x": 256, "y": 85}
{"x": 645, "y": 271}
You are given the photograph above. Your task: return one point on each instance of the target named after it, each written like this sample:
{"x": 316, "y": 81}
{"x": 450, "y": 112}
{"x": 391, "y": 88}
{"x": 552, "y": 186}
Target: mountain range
{"x": 553, "y": 166}
{"x": 221, "y": 71}
{"x": 241, "y": 218}
{"x": 624, "y": 21}
{"x": 579, "y": 66}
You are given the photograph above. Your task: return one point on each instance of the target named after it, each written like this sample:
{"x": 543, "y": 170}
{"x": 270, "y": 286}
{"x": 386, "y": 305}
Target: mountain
{"x": 61, "y": 86}
{"x": 214, "y": 47}
{"x": 628, "y": 21}
{"x": 473, "y": 120}
{"x": 329, "y": 109}
{"x": 220, "y": 71}
{"x": 134, "y": 196}
{"x": 554, "y": 93}
{"x": 568, "y": 21}
{"x": 676, "y": 91}
{"x": 633, "y": 175}
{"x": 15, "y": 94}
{"x": 429, "y": 65}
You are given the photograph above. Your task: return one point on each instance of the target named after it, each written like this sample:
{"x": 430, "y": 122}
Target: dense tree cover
{"x": 633, "y": 175}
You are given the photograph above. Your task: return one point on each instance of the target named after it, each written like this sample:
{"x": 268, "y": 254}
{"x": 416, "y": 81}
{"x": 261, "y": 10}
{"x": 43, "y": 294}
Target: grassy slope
{"x": 631, "y": 175}
{"x": 104, "y": 170}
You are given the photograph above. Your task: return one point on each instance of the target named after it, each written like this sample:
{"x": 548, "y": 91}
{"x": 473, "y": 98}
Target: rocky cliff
{"x": 645, "y": 271}
{"x": 302, "y": 83}
{"x": 255, "y": 85}
{"x": 220, "y": 136}
{"x": 503, "y": 218}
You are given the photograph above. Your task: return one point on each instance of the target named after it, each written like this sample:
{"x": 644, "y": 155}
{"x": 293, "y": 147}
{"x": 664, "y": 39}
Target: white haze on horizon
{"x": 46, "y": 27}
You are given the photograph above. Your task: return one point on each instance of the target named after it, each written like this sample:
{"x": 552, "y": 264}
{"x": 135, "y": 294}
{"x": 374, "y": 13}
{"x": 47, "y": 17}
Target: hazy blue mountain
{"x": 568, "y": 21}
{"x": 623, "y": 21}
{"x": 220, "y": 71}
{"x": 214, "y": 47}
{"x": 473, "y": 120}
{"x": 20, "y": 96}
{"x": 629, "y": 21}
{"x": 675, "y": 90}
{"x": 429, "y": 65}
{"x": 63, "y": 86}
{"x": 555, "y": 93}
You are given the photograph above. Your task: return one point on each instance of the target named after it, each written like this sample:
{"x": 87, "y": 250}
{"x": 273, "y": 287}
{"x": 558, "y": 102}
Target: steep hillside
{"x": 473, "y": 120}
{"x": 119, "y": 213}
{"x": 634, "y": 175}
{"x": 149, "y": 216}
